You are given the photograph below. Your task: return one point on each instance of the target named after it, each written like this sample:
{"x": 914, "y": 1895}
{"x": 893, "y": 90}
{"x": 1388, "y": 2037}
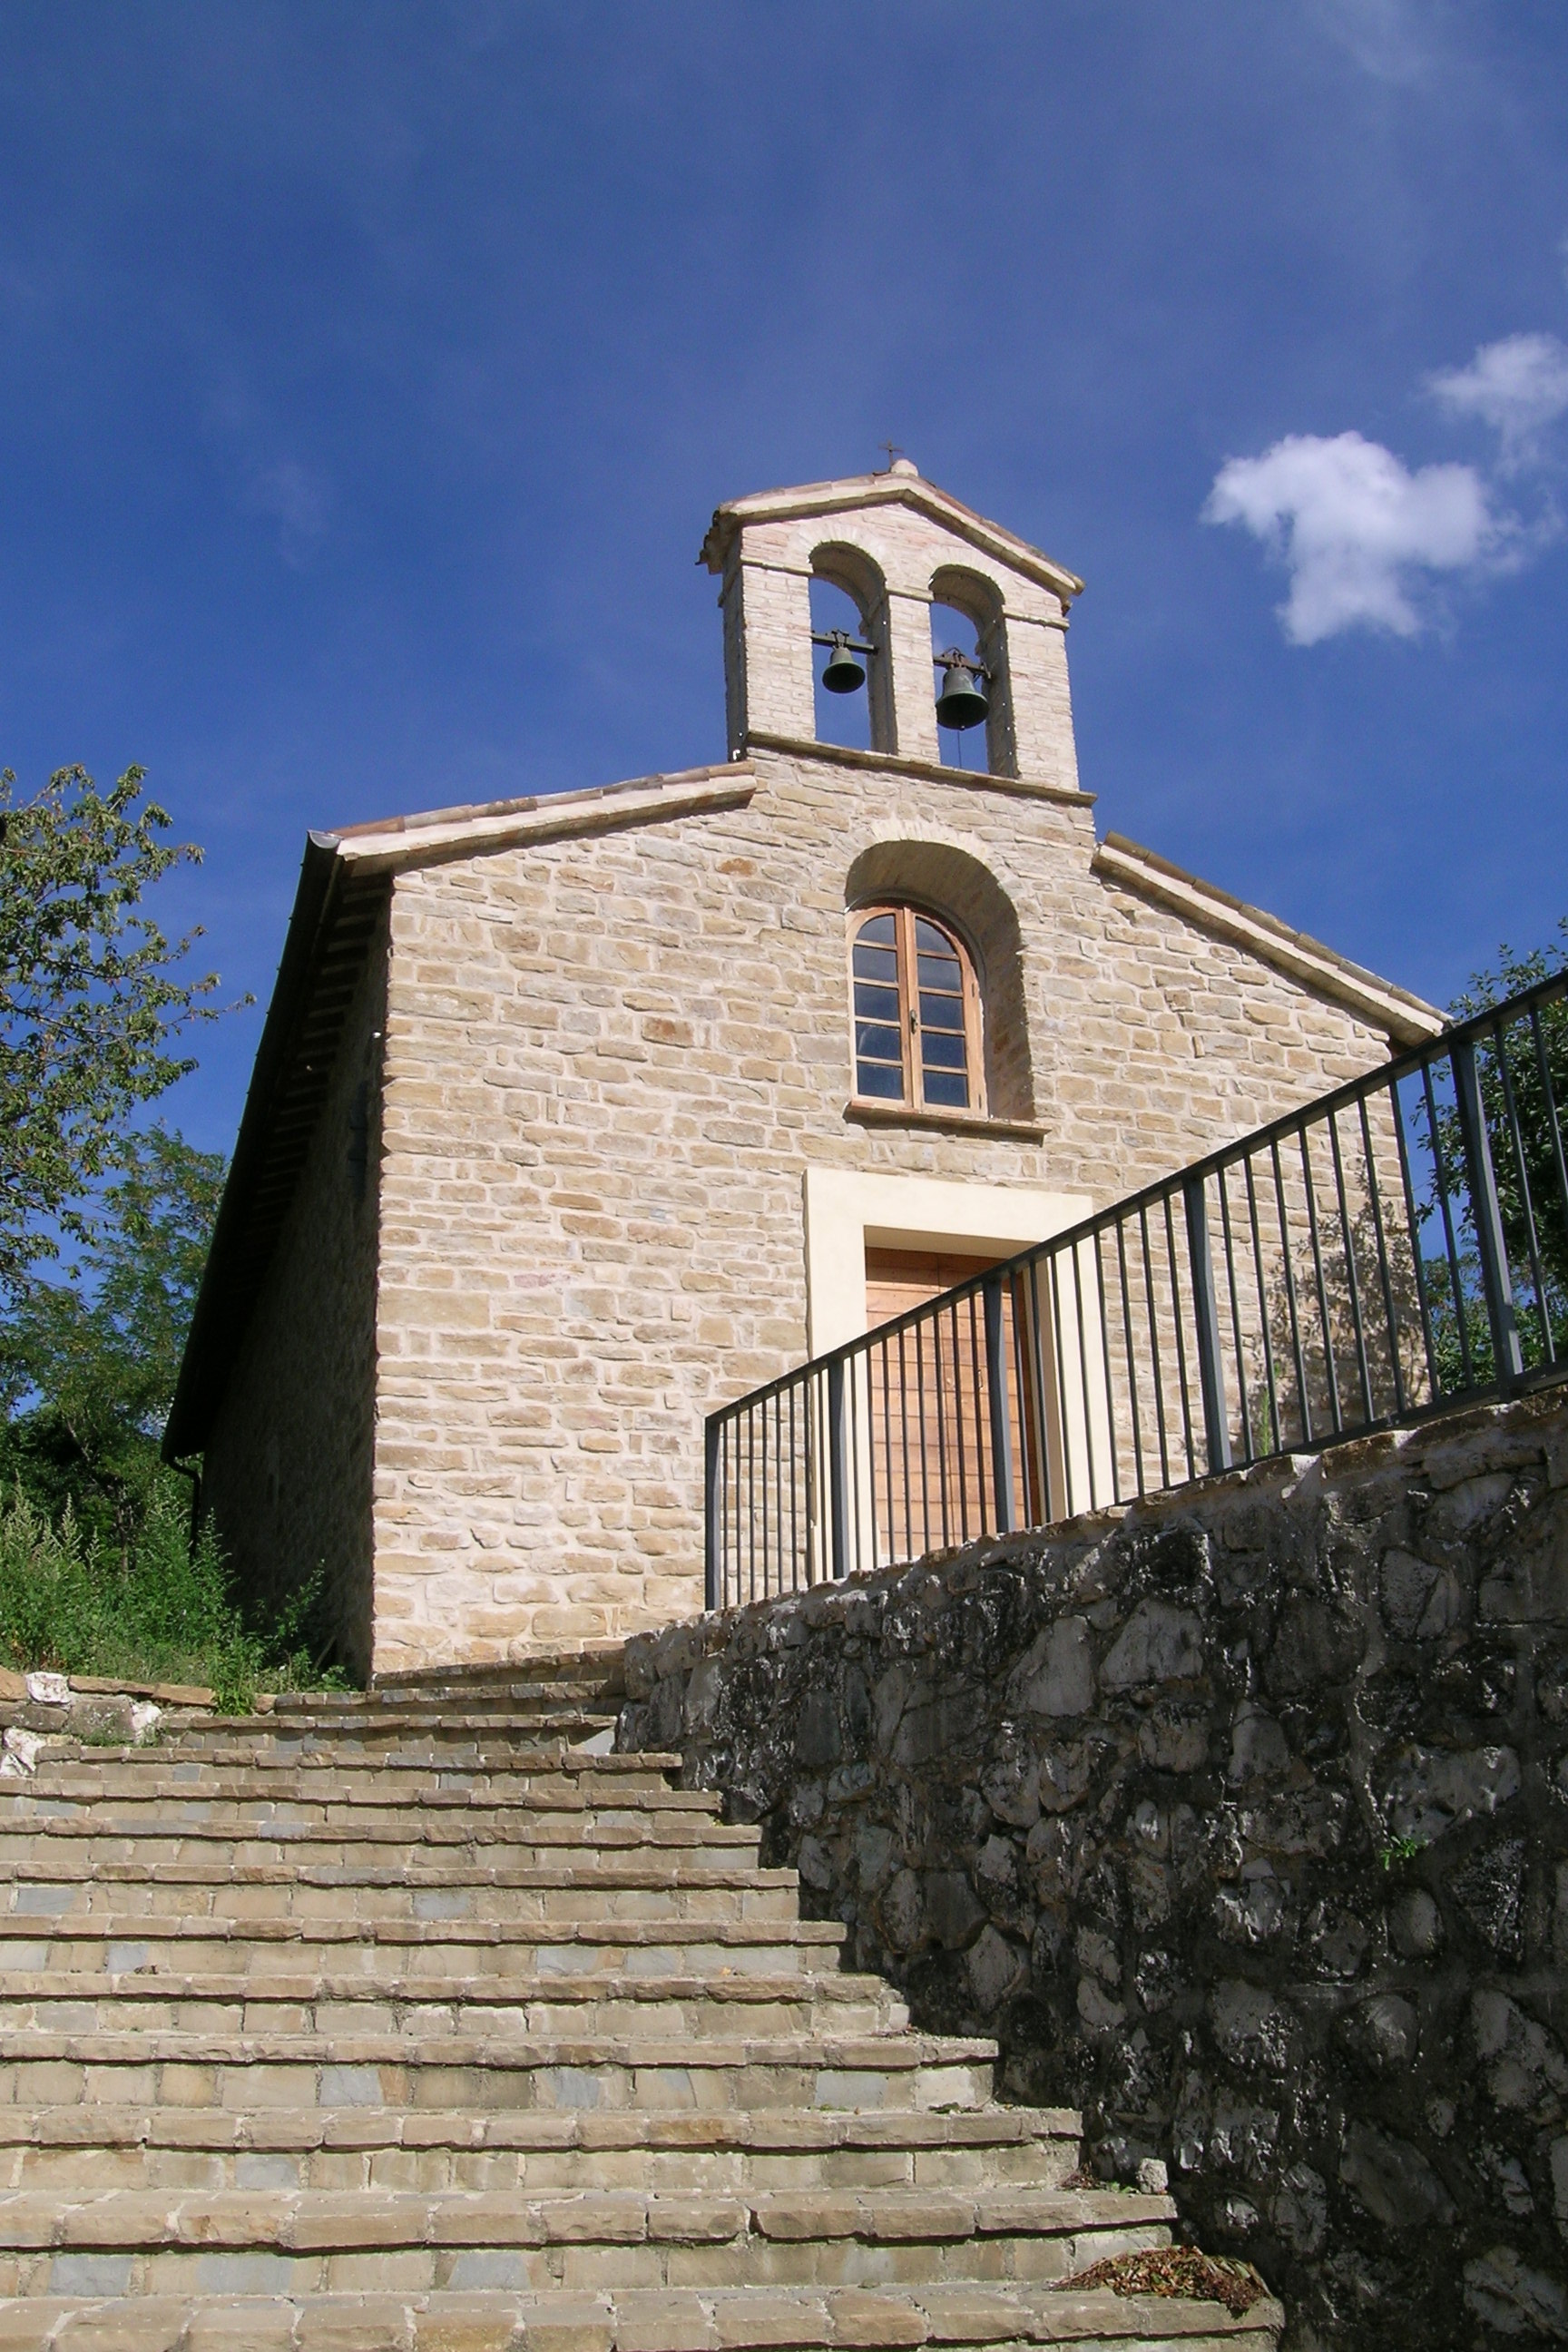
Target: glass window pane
{"x": 877, "y": 963}
{"x": 886, "y": 990}
{"x": 877, "y": 1044}
{"x": 942, "y": 1012}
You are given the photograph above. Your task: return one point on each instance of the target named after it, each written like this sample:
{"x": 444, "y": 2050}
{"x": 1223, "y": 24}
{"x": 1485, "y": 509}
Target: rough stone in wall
{"x": 1241, "y": 1817}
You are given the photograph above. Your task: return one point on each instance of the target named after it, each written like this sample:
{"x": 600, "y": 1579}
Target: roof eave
{"x": 188, "y": 1424}
{"x": 884, "y": 490}
{"x": 1406, "y": 1018}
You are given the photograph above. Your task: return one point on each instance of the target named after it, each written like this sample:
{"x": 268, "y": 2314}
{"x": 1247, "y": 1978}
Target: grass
{"x": 160, "y": 1610}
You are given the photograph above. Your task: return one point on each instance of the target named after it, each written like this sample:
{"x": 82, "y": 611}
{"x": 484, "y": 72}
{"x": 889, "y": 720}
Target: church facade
{"x": 574, "y": 1116}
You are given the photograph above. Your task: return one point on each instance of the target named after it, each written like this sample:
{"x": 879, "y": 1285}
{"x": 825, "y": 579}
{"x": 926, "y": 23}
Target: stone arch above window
{"x": 852, "y": 571}
{"x": 982, "y": 602}
{"x": 938, "y": 879}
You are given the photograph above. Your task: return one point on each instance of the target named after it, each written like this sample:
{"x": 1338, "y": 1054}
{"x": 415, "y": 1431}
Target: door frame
{"x": 846, "y": 1210}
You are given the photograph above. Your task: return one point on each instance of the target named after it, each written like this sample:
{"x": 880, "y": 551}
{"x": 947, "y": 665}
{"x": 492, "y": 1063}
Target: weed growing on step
{"x": 156, "y": 1608}
{"x": 106, "y": 1734}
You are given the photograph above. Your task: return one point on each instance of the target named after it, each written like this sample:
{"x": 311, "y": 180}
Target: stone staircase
{"x": 421, "y": 2020}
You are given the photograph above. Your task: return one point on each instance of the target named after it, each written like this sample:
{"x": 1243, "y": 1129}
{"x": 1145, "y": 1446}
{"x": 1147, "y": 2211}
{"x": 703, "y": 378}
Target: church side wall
{"x": 287, "y": 1474}
{"x": 609, "y": 1063}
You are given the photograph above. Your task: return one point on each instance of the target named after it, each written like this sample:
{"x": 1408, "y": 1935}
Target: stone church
{"x": 574, "y": 1116}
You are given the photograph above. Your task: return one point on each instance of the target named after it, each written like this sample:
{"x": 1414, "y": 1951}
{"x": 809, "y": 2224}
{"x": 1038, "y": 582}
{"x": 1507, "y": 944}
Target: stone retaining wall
{"x": 1241, "y": 1817}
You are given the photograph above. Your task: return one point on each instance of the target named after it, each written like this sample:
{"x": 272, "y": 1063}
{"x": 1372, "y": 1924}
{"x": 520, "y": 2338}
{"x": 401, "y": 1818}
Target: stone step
{"x": 395, "y": 1725}
{"x": 579, "y": 1726}
{"x": 313, "y": 2001}
{"x": 525, "y": 1673}
{"x": 357, "y": 1803}
{"x": 516, "y": 1761}
{"x": 669, "y": 2153}
{"x": 801, "y": 2319}
{"x": 64, "y": 1789}
{"x": 416, "y": 2019}
{"x": 154, "y": 2068}
{"x": 504, "y": 1775}
{"x": 318, "y": 2241}
{"x": 445, "y": 1691}
{"x": 601, "y": 1666}
{"x": 339, "y": 1709}
{"x": 535, "y": 1705}
{"x": 524, "y": 1951}
{"x": 409, "y": 1838}
{"x": 660, "y": 1887}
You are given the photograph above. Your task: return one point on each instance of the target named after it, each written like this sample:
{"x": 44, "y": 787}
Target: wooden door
{"x": 927, "y": 1405}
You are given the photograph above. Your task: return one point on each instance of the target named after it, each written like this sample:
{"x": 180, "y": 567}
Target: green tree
{"x": 90, "y": 1004}
{"x": 88, "y": 1366}
{"x": 98, "y": 1571}
{"x": 1522, "y": 1074}
{"x": 1515, "y": 1068}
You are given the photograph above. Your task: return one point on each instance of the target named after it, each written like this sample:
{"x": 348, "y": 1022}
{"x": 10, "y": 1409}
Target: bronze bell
{"x": 961, "y": 702}
{"x": 843, "y": 673}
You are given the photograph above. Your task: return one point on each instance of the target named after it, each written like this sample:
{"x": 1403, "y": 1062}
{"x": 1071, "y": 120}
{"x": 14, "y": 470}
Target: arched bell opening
{"x": 974, "y": 703}
{"x": 852, "y": 689}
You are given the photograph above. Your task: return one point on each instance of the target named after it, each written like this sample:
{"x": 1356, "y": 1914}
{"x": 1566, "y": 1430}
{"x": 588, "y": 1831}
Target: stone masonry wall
{"x": 1241, "y": 1817}
{"x": 610, "y": 1062}
{"x": 299, "y": 1496}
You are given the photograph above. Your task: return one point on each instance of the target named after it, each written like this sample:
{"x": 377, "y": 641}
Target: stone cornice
{"x": 393, "y": 843}
{"x": 931, "y": 772}
{"x": 862, "y": 490}
{"x": 1400, "y": 1015}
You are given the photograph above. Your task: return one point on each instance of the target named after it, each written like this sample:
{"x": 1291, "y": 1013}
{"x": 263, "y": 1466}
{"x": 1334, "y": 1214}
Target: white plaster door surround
{"x": 843, "y": 1211}
{"x": 846, "y": 1212}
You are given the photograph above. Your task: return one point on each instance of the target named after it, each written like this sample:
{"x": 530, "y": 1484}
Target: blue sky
{"x": 370, "y": 371}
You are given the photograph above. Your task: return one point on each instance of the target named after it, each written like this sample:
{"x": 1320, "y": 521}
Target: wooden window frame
{"x": 905, "y": 913}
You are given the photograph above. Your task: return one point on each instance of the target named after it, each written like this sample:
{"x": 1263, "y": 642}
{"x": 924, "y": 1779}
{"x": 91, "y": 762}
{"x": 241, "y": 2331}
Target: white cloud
{"x": 266, "y": 481}
{"x": 1358, "y": 532}
{"x": 299, "y": 500}
{"x": 1519, "y": 386}
{"x": 1388, "y": 39}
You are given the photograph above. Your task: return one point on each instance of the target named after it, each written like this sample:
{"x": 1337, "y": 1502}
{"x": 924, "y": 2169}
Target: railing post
{"x": 1205, "y": 1317}
{"x": 996, "y": 1392}
{"x": 838, "y": 1482}
{"x": 712, "y": 1513}
{"x": 1486, "y": 1215}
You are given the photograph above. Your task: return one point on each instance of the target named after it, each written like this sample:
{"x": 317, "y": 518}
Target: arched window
{"x": 917, "y": 1012}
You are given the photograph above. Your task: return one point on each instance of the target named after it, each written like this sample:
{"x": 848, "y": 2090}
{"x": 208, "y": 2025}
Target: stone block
{"x": 1508, "y": 2293}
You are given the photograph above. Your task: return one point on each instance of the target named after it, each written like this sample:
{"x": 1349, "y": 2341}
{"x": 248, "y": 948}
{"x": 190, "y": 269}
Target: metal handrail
{"x": 1420, "y": 1263}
